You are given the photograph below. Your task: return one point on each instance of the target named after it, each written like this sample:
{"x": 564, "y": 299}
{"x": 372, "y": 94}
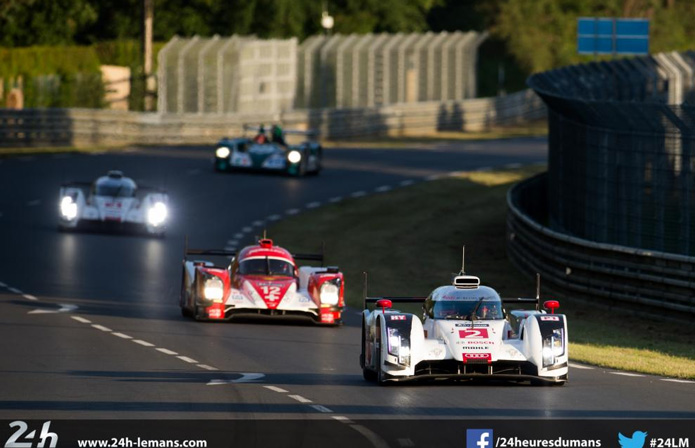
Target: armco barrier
{"x": 88, "y": 127}
{"x": 654, "y": 283}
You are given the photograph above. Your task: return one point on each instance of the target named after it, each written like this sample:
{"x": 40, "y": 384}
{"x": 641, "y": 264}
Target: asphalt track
{"x": 90, "y": 327}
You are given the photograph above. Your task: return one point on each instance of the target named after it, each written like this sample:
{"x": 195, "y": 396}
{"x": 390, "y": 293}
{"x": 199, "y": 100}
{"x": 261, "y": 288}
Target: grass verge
{"x": 409, "y": 241}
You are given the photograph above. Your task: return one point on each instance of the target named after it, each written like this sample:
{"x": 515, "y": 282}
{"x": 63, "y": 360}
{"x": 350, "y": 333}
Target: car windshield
{"x": 487, "y": 308}
{"x": 266, "y": 266}
{"x": 120, "y": 190}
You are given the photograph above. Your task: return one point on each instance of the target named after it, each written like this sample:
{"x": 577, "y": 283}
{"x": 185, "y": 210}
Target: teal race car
{"x": 269, "y": 153}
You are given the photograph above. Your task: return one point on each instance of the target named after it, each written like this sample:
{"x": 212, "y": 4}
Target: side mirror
{"x": 551, "y": 305}
{"x": 383, "y": 304}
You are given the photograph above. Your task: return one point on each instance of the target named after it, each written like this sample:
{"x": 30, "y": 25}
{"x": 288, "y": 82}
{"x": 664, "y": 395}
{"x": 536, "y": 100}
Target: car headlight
{"x": 394, "y": 341}
{"x": 294, "y": 156}
{"x": 213, "y": 289}
{"x": 222, "y": 152}
{"x": 553, "y": 347}
{"x": 68, "y": 208}
{"x": 157, "y": 214}
{"x": 398, "y": 346}
{"x": 329, "y": 294}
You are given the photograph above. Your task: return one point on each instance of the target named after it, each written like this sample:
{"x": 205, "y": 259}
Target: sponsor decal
{"x": 552, "y": 318}
{"x": 474, "y": 333}
{"x": 471, "y": 343}
{"x": 327, "y": 318}
{"x": 475, "y": 324}
{"x": 400, "y": 317}
{"x": 215, "y": 313}
{"x": 477, "y": 357}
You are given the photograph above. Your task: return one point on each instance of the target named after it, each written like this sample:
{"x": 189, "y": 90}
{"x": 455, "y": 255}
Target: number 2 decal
{"x": 473, "y": 333}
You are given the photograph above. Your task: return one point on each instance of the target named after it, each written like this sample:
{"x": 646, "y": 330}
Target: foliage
{"x": 44, "y": 22}
{"x": 541, "y": 34}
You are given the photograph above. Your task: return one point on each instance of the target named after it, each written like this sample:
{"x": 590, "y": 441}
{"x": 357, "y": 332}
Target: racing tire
{"x": 381, "y": 376}
{"x": 196, "y": 314}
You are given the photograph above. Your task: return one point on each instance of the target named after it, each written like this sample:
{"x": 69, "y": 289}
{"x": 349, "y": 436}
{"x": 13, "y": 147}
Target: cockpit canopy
{"x": 266, "y": 266}
{"x": 449, "y": 302}
{"x": 114, "y": 184}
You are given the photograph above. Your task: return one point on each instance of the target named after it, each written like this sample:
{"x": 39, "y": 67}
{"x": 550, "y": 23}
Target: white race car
{"x": 113, "y": 202}
{"x": 465, "y": 333}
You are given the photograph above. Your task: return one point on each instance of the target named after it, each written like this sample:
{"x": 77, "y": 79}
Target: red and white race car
{"x": 263, "y": 279}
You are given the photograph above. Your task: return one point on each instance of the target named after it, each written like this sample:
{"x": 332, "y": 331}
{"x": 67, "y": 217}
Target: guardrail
{"x": 643, "y": 280}
{"x": 89, "y": 127}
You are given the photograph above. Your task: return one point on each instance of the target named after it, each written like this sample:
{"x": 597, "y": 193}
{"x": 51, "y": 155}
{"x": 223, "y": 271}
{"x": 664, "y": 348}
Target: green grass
{"x": 409, "y": 241}
{"x": 538, "y": 128}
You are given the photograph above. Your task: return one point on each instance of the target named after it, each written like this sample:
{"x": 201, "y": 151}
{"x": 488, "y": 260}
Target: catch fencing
{"x": 622, "y": 151}
{"x": 614, "y": 218}
{"x": 246, "y": 75}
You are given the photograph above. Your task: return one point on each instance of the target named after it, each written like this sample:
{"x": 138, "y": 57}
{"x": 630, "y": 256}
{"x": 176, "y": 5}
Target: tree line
{"x": 539, "y": 34}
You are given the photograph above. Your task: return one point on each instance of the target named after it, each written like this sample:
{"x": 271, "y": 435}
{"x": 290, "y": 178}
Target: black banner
{"x": 344, "y": 432}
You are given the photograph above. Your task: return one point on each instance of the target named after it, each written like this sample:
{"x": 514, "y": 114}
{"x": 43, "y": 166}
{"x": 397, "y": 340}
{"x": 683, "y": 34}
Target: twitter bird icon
{"x": 637, "y": 440}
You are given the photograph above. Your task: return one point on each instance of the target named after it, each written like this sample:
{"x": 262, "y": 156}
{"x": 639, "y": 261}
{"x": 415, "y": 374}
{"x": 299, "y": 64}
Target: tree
{"x": 43, "y": 22}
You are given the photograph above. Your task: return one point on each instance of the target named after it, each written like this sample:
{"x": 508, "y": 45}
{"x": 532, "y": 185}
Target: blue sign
{"x": 612, "y": 36}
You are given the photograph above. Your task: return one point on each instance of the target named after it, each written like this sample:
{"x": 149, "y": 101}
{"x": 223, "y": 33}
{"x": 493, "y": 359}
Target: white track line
{"x": 335, "y": 200}
{"x": 207, "y": 367}
{"x": 407, "y": 183}
{"x": 102, "y": 328}
{"x": 81, "y": 319}
{"x": 14, "y": 290}
{"x": 358, "y": 194}
{"x": 143, "y": 343}
{"x": 343, "y": 419}
{"x": 121, "y": 335}
{"x": 2, "y": 285}
{"x": 276, "y": 389}
{"x": 626, "y": 374}
{"x": 247, "y": 229}
{"x": 383, "y": 189}
{"x": 187, "y": 359}
{"x": 274, "y": 218}
{"x": 311, "y": 205}
{"x": 166, "y": 351}
{"x": 292, "y": 211}
{"x": 238, "y": 235}
{"x": 321, "y": 408}
{"x": 300, "y": 399}
{"x": 675, "y": 380}
{"x": 374, "y": 439}
{"x": 433, "y": 177}
{"x": 29, "y": 297}
{"x": 258, "y": 223}
{"x": 580, "y": 366}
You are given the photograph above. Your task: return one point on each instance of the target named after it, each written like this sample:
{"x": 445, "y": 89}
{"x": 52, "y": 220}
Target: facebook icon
{"x": 479, "y": 438}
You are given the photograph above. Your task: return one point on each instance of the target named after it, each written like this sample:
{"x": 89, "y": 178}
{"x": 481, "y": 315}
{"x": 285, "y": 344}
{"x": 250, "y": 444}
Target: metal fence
{"x": 380, "y": 69}
{"x": 224, "y": 75}
{"x": 245, "y": 74}
{"x": 655, "y": 284}
{"x": 622, "y": 151}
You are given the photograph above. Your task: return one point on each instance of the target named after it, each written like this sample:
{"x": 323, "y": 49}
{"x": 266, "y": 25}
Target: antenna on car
{"x": 364, "y": 290}
{"x": 538, "y": 290}
{"x": 463, "y": 261}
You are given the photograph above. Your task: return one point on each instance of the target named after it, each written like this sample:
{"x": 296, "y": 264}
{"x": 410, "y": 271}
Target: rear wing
{"x": 307, "y": 133}
{"x": 536, "y": 301}
{"x": 214, "y": 252}
{"x": 394, "y": 299}
{"x": 309, "y": 257}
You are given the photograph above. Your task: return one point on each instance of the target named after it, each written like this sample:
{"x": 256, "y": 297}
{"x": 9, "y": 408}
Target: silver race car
{"x": 113, "y": 202}
{"x": 465, "y": 333}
